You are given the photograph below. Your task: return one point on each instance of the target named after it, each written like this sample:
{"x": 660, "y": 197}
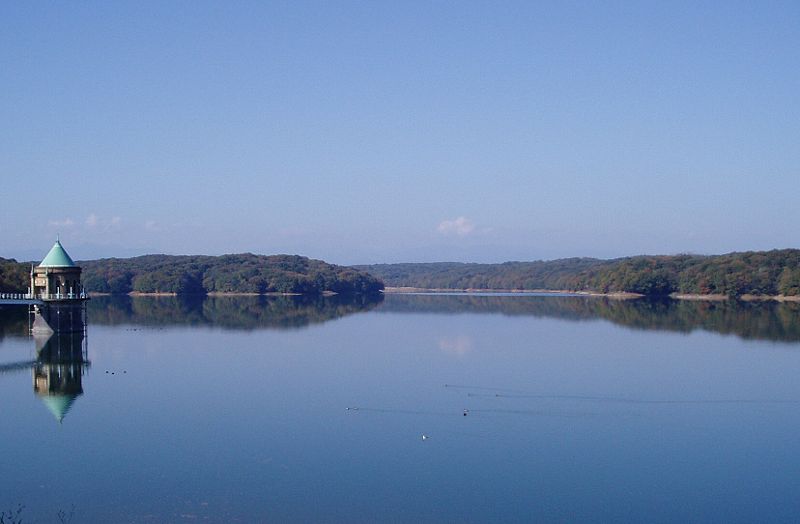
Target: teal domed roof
{"x": 59, "y": 404}
{"x": 57, "y": 257}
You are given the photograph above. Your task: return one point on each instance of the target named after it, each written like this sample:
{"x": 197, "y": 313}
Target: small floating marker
{"x": 106, "y": 371}
{"x": 466, "y": 411}
{"x": 425, "y": 437}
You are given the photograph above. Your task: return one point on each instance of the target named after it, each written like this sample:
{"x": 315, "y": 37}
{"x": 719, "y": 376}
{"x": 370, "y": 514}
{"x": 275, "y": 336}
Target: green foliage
{"x": 242, "y": 273}
{"x": 756, "y": 273}
{"x": 14, "y": 276}
{"x": 789, "y": 281}
{"x": 735, "y": 274}
{"x": 555, "y": 274}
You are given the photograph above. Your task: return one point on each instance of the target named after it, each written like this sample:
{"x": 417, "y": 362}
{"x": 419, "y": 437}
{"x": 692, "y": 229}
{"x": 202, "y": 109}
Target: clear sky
{"x": 362, "y": 132}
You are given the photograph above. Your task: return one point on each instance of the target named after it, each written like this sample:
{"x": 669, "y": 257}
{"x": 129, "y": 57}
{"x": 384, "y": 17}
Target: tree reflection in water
{"x": 749, "y": 320}
{"x": 227, "y": 311}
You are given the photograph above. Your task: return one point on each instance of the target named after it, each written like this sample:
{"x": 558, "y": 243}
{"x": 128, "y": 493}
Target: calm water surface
{"x": 236, "y": 409}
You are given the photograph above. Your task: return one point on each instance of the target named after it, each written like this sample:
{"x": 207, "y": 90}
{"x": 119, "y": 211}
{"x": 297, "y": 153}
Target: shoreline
{"x": 391, "y": 290}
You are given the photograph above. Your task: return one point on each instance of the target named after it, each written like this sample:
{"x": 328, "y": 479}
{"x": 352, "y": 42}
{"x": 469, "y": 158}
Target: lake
{"x": 413, "y": 408}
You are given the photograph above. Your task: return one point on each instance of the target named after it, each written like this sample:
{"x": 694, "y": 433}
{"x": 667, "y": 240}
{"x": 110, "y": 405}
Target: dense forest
{"x": 752, "y": 273}
{"x": 14, "y": 276}
{"x": 243, "y": 273}
{"x": 766, "y": 273}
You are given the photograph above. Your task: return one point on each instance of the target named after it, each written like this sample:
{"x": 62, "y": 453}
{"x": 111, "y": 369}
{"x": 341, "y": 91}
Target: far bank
{"x": 618, "y": 295}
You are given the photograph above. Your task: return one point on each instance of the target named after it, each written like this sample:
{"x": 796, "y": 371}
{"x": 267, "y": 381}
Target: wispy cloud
{"x": 67, "y": 223}
{"x": 94, "y": 222}
{"x": 461, "y": 226}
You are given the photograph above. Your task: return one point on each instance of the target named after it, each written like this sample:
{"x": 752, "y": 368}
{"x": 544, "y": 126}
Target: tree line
{"x": 200, "y": 274}
{"x": 14, "y": 276}
{"x": 765, "y": 273}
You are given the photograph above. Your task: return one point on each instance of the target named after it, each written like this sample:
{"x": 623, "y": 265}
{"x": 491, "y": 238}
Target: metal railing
{"x": 83, "y": 295}
{"x": 17, "y": 296}
{"x": 63, "y": 296}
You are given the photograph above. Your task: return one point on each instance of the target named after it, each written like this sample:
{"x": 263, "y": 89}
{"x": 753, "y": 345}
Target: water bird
{"x": 425, "y": 437}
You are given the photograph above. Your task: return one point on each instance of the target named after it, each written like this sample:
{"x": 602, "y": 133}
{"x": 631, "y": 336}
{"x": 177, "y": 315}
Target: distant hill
{"x": 242, "y": 273}
{"x": 555, "y": 274}
{"x": 767, "y": 273}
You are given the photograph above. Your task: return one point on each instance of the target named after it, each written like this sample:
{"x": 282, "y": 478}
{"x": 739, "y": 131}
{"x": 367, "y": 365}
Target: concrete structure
{"x": 56, "y": 297}
{"x": 65, "y": 316}
{"x": 57, "y": 277}
{"x": 57, "y": 305}
{"x": 56, "y": 281}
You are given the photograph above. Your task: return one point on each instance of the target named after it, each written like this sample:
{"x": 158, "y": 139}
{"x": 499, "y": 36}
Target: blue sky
{"x": 362, "y": 132}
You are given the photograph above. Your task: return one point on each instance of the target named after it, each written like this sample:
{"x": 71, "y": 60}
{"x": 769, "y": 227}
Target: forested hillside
{"x": 14, "y": 276}
{"x": 243, "y": 273}
{"x": 555, "y": 274}
{"x": 758, "y": 273}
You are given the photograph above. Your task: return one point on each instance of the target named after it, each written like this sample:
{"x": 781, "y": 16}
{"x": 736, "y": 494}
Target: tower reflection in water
{"x": 61, "y": 361}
